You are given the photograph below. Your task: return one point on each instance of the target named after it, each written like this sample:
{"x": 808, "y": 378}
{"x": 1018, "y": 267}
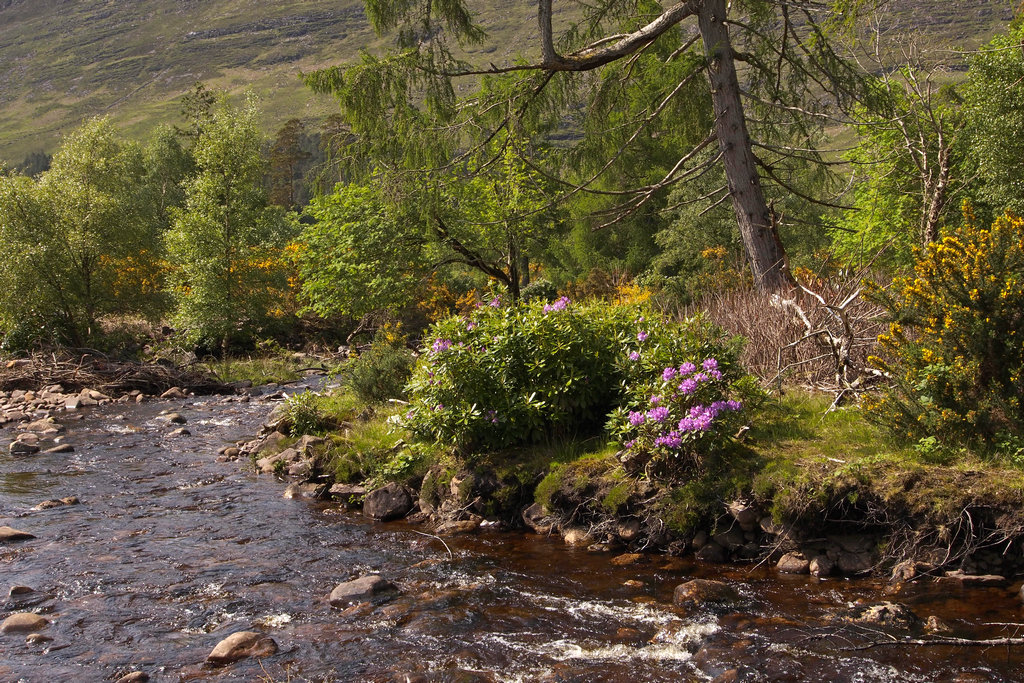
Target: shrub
{"x": 507, "y": 375}
{"x": 954, "y": 352}
{"x": 669, "y": 423}
{"x": 382, "y": 371}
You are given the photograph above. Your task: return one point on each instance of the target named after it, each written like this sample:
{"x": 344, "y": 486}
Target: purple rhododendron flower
{"x": 470, "y": 326}
{"x": 688, "y": 386}
{"x": 655, "y": 400}
{"x": 700, "y": 377}
{"x": 441, "y": 345}
{"x": 687, "y": 369}
{"x": 710, "y": 364}
{"x": 633, "y": 355}
{"x": 670, "y": 440}
{"x": 559, "y": 305}
{"x": 715, "y": 373}
{"x": 641, "y": 336}
{"x": 657, "y": 414}
{"x": 668, "y": 374}
{"x": 636, "y": 419}
{"x": 495, "y": 302}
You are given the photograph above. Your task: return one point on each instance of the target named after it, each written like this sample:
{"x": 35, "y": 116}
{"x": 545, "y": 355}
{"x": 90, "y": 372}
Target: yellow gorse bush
{"x": 954, "y": 352}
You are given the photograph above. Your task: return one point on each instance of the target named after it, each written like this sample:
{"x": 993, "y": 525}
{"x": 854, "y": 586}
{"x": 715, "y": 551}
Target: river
{"x": 172, "y": 550}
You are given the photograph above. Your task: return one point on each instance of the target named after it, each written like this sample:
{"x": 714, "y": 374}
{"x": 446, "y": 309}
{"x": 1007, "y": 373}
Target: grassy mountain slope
{"x": 62, "y": 61}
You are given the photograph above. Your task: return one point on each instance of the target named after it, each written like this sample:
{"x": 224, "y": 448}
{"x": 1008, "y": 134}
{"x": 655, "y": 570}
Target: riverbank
{"x": 808, "y": 491}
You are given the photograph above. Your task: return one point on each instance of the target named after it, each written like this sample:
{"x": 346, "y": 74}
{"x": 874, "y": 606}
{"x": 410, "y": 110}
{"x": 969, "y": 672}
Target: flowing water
{"x": 170, "y": 551}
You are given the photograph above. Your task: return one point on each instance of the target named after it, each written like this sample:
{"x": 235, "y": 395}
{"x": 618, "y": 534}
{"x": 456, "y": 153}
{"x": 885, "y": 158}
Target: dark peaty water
{"x": 171, "y": 551}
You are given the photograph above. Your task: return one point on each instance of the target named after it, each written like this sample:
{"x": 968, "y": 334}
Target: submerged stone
{"x": 241, "y": 645}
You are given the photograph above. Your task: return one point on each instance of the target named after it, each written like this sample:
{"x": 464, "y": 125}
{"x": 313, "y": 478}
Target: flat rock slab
{"x": 8, "y": 534}
{"x": 241, "y": 645}
{"x": 23, "y": 622}
{"x": 359, "y": 590}
{"x": 969, "y": 580}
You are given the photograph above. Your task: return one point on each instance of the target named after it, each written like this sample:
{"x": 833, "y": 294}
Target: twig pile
{"x": 93, "y": 370}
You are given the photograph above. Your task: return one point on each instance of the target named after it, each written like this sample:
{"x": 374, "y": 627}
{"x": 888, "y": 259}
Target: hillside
{"x": 64, "y": 60}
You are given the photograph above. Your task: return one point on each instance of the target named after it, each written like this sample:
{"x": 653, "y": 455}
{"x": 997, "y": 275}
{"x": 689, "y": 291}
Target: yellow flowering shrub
{"x": 954, "y": 351}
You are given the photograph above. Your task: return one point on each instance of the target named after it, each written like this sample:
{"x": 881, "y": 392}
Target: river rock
{"x": 388, "y": 502}
{"x": 8, "y": 534}
{"x": 346, "y": 492}
{"x": 134, "y": 677}
{"x": 454, "y": 528}
{"x": 174, "y": 392}
{"x": 712, "y": 552}
{"x": 730, "y": 539}
{"x": 175, "y": 418}
{"x": 180, "y": 431}
{"x": 627, "y": 559}
{"x": 241, "y": 645}
{"x": 959, "y": 578}
{"x": 22, "y": 448}
{"x": 793, "y": 563}
{"x": 359, "y": 590}
{"x": 577, "y": 536}
{"x": 61, "y": 448}
{"x": 701, "y": 591}
{"x": 56, "y": 503}
{"x": 628, "y": 530}
{"x": 894, "y": 615}
{"x": 938, "y": 626}
{"x": 297, "y": 490}
{"x": 745, "y": 514}
{"x": 23, "y": 622}
{"x": 37, "y": 639}
{"x": 44, "y": 426}
{"x": 821, "y": 566}
{"x": 23, "y": 597}
{"x": 538, "y": 520}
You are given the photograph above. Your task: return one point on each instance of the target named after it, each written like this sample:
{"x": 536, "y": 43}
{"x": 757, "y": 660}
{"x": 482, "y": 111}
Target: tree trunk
{"x": 765, "y": 253}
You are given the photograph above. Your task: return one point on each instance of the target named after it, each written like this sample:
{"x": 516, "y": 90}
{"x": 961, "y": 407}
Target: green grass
{"x": 259, "y": 370}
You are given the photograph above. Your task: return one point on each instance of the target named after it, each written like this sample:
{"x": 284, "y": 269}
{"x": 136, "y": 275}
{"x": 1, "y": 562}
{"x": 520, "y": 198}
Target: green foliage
{"x": 359, "y": 255}
{"x": 954, "y": 354}
{"x": 316, "y": 413}
{"x": 382, "y": 371}
{"x": 673, "y": 418}
{"x": 81, "y": 238}
{"x": 995, "y": 121}
{"x": 508, "y": 375}
{"x": 226, "y": 244}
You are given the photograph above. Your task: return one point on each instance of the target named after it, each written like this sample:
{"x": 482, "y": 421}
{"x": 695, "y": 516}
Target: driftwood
{"x": 92, "y": 370}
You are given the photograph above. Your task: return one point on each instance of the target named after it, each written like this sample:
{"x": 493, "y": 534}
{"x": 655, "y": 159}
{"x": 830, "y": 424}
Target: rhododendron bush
{"x": 507, "y": 375}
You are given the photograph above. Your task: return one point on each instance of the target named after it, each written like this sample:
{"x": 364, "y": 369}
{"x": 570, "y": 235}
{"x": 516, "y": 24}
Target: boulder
{"x": 712, "y": 552}
{"x": 346, "y": 492}
{"x": 701, "y": 591}
{"x": 628, "y": 530}
{"x": 577, "y": 536}
{"x": 466, "y": 526}
{"x": 174, "y": 392}
{"x": 22, "y": 448}
{"x": 537, "y": 519}
{"x": 8, "y": 534}
{"x": 893, "y": 615}
{"x": 730, "y": 539}
{"x": 23, "y": 622}
{"x": 627, "y": 559}
{"x": 793, "y": 563}
{"x": 241, "y": 645}
{"x": 44, "y": 426}
{"x": 821, "y": 566}
{"x": 745, "y": 514}
{"x": 388, "y": 502}
{"x": 359, "y": 590}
